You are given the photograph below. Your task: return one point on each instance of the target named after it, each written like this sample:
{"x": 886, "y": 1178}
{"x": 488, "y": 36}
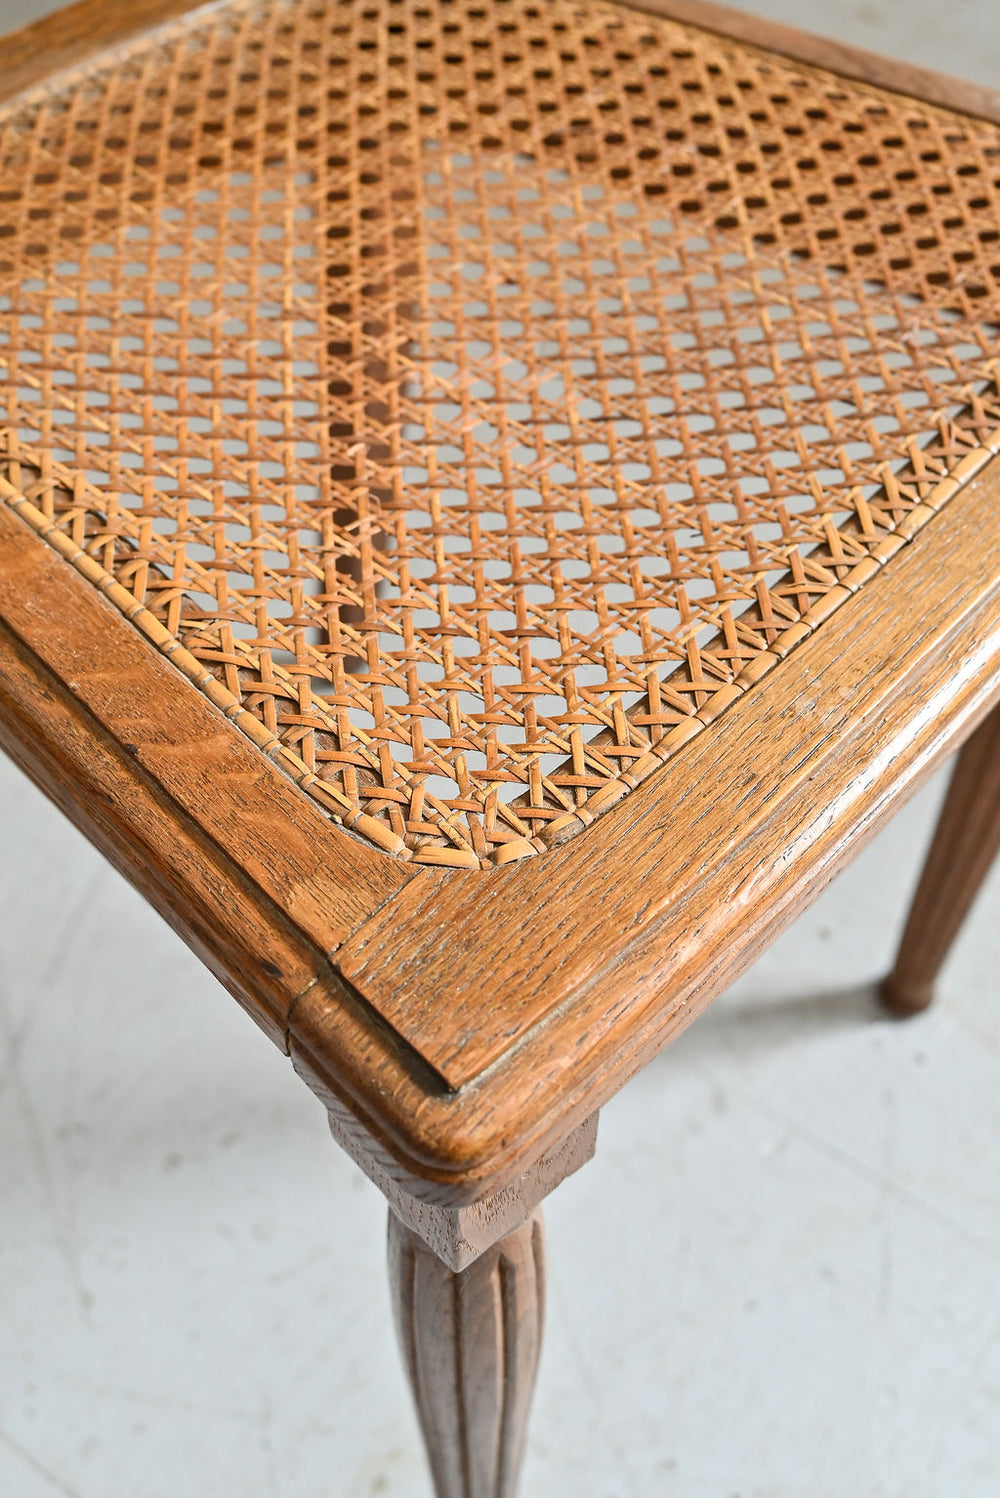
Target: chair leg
{"x": 471, "y": 1340}
{"x": 966, "y": 840}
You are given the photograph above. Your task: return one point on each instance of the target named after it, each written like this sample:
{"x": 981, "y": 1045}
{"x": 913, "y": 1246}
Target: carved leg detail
{"x": 966, "y": 840}
{"x": 471, "y": 1342}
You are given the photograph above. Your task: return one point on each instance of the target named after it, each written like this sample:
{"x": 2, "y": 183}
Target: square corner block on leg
{"x": 458, "y": 1235}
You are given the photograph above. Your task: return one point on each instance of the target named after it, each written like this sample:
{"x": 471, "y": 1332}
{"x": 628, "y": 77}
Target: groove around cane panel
{"x": 485, "y": 394}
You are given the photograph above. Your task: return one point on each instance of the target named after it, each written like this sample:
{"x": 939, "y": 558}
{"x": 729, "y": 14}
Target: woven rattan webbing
{"x": 479, "y": 396}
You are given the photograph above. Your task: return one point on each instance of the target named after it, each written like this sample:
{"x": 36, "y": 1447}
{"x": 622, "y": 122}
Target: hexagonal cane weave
{"x": 476, "y": 396}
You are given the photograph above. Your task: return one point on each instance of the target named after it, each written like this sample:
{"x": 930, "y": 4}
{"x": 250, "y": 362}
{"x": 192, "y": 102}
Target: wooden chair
{"x": 497, "y": 503}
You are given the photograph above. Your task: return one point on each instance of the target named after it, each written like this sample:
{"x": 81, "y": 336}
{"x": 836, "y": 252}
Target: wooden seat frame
{"x": 463, "y": 1027}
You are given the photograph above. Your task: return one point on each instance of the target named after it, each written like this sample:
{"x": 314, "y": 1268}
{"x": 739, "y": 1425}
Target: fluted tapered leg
{"x": 471, "y": 1342}
{"x": 966, "y": 841}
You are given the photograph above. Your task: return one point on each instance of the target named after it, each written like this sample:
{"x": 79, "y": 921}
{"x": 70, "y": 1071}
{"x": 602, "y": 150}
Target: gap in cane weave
{"x": 480, "y": 390}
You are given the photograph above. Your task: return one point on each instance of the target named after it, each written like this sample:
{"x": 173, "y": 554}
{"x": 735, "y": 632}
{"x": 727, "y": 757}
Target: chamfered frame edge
{"x": 461, "y": 1140}
{"x": 450, "y": 1136}
{"x": 645, "y": 982}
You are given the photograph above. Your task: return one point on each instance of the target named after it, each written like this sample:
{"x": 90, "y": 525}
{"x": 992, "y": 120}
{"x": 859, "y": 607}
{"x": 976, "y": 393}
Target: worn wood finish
{"x": 633, "y": 967}
{"x": 823, "y": 52}
{"x": 471, "y": 1343}
{"x": 95, "y": 782}
{"x": 461, "y": 1022}
{"x": 681, "y": 568}
{"x": 459, "y": 1234}
{"x": 69, "y": 37}
{"x": 712, "y": 836}
{"x": 616, "y": 1014}
{"x": 468, "y": 1060}
{"x": 324, "y": 879}
{"x": 966, "y": 841}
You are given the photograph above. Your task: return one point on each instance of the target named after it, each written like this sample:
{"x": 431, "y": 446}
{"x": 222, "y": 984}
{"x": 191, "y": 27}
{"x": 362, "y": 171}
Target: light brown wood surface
{"x": 463, "y": 1025}
{"x": 458, "y": 1234}
{"x": 824, "y": 52}
{"x": 471, "y": 1342}
{"x": 73, "y": 34}
{"x": 469, "y": 1020}
{"x": 324, "y": 879}
{"x": 769, "y": 804}
{"x": 966, "y": 842}
{"x": 922, "y": 689}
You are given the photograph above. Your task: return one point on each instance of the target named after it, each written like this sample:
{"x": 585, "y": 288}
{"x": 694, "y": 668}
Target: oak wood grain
{"x": 612, "y": 1019}
{"x": 852, "y": 722}
{"x": 321, "y": 877}
{"x": 459, "y": 1234}
{"x": 707, "y": 836}
{"x": 834, "y": 56}
{"x": 965, "y": 843}
{"x": 71, "y": 36}
{"x": 200, "y": 892}
{"x": 479, "y": 1017}
{"x": 471, "y": 1343}
{"x": 241, "y": 935}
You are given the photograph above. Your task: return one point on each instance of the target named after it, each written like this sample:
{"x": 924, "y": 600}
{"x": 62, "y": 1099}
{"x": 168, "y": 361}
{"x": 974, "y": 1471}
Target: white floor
{"x": 779, "y": 1279}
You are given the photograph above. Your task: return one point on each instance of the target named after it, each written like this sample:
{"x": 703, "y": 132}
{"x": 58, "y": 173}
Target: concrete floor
{"x": 779, "y": 1279}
